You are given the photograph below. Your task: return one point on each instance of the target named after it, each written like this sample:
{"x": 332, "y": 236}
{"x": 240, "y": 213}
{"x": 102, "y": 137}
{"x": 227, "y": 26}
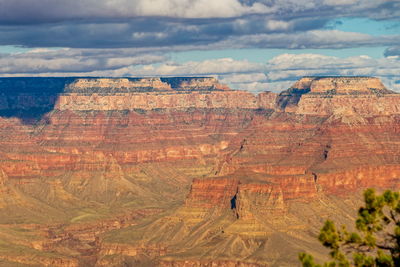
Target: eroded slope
{"x": 186, "y": 172}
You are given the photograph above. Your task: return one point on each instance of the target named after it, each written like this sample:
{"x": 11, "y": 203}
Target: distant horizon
{"x": 255, "y": 45}
{"x": 71, "y": 79}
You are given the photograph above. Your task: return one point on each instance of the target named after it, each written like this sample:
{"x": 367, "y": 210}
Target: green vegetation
{"x": 376, "y": 241}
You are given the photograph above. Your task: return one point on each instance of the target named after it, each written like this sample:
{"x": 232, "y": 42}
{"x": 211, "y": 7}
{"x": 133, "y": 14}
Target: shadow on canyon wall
{"x": 30, "y": 98}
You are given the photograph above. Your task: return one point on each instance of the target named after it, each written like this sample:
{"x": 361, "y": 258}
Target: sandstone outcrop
{"x": 201, "y": 84}
{"x": 341, "y": 85}
{"x": 150, "y": 101}
{"x": 185, "y": 171}
{"x": 25, "y": 98}
{"x": 129, "y": 85}
{"x": 323, "y": 96}
{"x": 149, "y": 94}
{"x": 112, "y": 86}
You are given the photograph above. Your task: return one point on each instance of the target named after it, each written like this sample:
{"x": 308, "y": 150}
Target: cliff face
{"x": 126, "y": 85}
{"x": 149, "y": 101}
{"x": 324, "y": 96}
{"x": 111, "y": 86}
{"x": 148, "y": 94}
{"x": 31, "y": 98}
{"x": 185, "y": 171}
{"x": 341, "y": 85}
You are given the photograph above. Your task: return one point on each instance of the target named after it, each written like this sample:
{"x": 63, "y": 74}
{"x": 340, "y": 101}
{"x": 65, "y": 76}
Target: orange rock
{"x": 227, "y": 167}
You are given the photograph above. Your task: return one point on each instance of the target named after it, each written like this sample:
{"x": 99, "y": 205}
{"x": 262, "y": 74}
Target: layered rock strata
{"x": 339, "y": 95}
{"x": 185, "y": 171}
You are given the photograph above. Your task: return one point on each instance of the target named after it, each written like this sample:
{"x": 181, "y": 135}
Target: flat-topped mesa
{"x": 120, "y": 85}
{"x": 198, "y": 84}
{"x": 135, "y": 85}
{"x": 33, "y": 97}
{"x": 341, "y": 85}
{"x": 158, "y": 93}
{"x": 342, "y": 96}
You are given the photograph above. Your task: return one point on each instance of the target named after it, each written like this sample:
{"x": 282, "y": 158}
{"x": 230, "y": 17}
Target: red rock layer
{"x": 364, "y": 105}
{"x": 182, "y": 100}
{"x": 209, "y": 263}
{"x": 86, "y": 85}
{"x": 208, "y": 193}
{"x": 249, "y": 165}
{"x": 341, "y": 85}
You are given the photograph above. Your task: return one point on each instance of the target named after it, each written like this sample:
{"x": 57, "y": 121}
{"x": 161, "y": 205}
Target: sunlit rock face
{"x": 157, "y": 93}
{"x": 365, "y": 96}
{"x": 111, "y": 86}
{"x": 341, "y": 85}
{"x": 185, "y": 171}
{"x": 126, "y": 85}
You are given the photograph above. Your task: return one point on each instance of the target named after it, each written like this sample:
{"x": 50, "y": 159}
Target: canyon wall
{"x": 365, "y": 96}
{"x": 165, "y": 100}
{"x": 185, "y": 171}
{"x": 149, "y": 94}
{"x": 32, "y": 98}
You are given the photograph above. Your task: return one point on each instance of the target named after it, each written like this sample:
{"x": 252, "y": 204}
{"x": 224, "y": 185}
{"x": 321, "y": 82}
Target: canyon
{"x": 186, "y": 171}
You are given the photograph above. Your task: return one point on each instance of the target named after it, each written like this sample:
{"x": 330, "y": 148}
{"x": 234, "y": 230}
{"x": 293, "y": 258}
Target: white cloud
{"x": 340, "y": 2}
{"x": 190, "y": 24}
{"x": 66, "y": 9}
{"x": 253, "y": 87}
{"x": 309, "y": 39}
{"x": 277, "y": 25}
{"x": 73, "y": 60}
{"x": 275, "y": 75}
{"x": 62, "y": 10}
{"x": 289, "y": 67}
{"x": 195, "y": 8}
{"x": 206, "y": 67}
{"x": 244, "y": 78}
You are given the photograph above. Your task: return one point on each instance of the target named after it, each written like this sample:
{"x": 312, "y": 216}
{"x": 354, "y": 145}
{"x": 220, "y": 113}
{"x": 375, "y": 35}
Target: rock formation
{"x": 327, "y": 95}
{"x": 185, "y": 171}
{"x": 112, "y": 86}
{"x": 341, "y": 85}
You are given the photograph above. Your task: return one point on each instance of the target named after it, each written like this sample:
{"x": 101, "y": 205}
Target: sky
{"x": 254, "y": 45}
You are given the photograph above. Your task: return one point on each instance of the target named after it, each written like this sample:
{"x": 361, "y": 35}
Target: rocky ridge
{"x": 341, "y": 85}
{"x": 339, "y": 95}
{"x": 180, "y": 171}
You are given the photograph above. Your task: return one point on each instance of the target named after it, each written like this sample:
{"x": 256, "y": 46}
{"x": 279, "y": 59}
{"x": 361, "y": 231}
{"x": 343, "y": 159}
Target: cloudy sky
{"x": 254, "y": 45}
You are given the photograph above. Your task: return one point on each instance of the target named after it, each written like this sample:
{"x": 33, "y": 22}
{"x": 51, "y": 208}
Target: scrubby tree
{"x": 376, "y": 242}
